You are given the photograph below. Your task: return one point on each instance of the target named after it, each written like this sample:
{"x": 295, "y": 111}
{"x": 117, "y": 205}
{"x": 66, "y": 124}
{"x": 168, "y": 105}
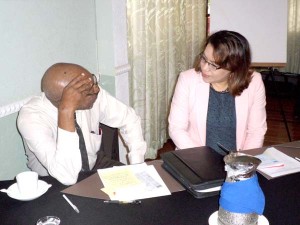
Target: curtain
{"x": 293, "y": 39}
{"x": 164, "y": 36}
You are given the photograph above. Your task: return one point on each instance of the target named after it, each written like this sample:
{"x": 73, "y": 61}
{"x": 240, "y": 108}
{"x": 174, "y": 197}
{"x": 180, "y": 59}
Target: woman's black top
{"x": 221, "y": 121}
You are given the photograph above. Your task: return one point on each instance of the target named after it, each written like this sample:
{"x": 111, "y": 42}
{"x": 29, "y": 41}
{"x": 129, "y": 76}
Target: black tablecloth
{"x": 282, "y": 206}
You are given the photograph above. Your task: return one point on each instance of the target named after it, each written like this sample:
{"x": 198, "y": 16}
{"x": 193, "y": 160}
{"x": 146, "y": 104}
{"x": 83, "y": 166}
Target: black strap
{"x": 82, "y": 147}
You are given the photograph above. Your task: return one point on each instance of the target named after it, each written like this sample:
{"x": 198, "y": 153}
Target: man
{"x": 47, "y": 123}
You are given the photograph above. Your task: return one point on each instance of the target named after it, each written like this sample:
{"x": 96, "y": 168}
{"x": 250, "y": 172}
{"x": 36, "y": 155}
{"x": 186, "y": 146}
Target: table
{"x": 282, "y": 206}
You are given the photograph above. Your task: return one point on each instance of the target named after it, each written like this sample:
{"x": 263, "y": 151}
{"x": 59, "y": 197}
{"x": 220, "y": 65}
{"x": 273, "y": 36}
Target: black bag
{"x": 197, "y": 169}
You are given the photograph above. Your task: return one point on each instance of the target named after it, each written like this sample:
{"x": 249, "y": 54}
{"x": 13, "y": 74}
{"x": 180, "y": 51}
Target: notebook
{"x": 200, "y": 170}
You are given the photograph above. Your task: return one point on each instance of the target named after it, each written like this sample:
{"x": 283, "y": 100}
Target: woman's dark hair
{"x": 231, "y": 52}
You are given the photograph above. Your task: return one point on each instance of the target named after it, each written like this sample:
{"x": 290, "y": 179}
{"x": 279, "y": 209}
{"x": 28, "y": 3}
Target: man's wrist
{"x": 66, "y": 120}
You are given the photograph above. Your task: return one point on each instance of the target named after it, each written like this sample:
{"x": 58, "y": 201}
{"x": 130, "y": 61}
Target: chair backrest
{"x": 110, "y": 142}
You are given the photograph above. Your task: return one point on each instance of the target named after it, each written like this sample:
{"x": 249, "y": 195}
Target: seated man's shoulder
{"x": 35, "y": 108}
{"x": 33, "y": 104}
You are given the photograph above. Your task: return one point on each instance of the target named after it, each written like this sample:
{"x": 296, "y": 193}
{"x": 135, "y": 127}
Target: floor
{"x": 276, "y": 133}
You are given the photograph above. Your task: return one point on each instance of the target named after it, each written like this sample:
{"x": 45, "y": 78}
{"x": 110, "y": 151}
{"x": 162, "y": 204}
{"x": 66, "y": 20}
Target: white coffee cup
{"x": 27, "y": 183}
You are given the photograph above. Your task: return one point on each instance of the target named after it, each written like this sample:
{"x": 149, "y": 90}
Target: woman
{"x": 220, "y": 102}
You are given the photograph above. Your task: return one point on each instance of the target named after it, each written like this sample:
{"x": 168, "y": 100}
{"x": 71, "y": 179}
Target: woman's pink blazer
{"x": 187, "y": 119}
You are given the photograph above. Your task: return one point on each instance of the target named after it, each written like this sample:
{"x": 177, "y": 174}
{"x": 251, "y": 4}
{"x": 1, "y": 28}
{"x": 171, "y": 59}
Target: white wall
{"x": 112, "y": 52}
{"x": 37, "y": 33}
{"x": 262, "y": 22}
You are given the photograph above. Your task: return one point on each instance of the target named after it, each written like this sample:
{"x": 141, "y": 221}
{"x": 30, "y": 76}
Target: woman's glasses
{"x": 211, "y": 66}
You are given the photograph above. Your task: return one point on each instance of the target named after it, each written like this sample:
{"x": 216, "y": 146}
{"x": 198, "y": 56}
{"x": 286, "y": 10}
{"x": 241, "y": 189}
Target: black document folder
{"x": 197, "y": 169}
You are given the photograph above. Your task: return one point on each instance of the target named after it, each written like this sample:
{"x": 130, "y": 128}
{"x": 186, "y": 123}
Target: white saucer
{"x": 213, "y": 219}
{"x": 13, "y": 191}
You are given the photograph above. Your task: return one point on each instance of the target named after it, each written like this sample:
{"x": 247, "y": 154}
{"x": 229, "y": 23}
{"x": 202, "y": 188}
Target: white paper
{"x": 275, "y": 163}
{"x": 218, "y": 188}
{"x": 267, "y": 161}
{"x": 132, "y": 182}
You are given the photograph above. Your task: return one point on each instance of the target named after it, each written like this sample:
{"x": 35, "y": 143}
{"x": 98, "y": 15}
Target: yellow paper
{"x": 132, "y": 182}
{"x": 119, "y": 178}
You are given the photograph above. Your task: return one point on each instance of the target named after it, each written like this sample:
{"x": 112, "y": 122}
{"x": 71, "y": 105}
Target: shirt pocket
{"x": 95, "y": 142}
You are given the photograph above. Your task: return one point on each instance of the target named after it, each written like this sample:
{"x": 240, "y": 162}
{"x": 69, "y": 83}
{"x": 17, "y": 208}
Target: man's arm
{"x": 56, "y": 144}
{"x": 116, "y": 114}
{"x": 55, "y": 149}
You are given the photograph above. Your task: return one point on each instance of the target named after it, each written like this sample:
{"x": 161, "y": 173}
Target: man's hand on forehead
{"x": 76, "y": 91}
{"x": 82, "y": 83}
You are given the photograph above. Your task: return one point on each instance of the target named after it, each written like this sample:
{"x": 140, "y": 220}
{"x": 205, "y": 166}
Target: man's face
{"x": 79, "y": 91}
{"x": 70, "y": 86}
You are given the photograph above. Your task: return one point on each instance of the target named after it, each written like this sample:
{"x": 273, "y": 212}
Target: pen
{"x": 71, "y": 204}
{"x": 123, "y": 202}
{"x": 223, "y": 148}
{"x": 297, "y": 159}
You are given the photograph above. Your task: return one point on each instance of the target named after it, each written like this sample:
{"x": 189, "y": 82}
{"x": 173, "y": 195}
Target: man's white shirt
{"x": 54, "y": 151}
